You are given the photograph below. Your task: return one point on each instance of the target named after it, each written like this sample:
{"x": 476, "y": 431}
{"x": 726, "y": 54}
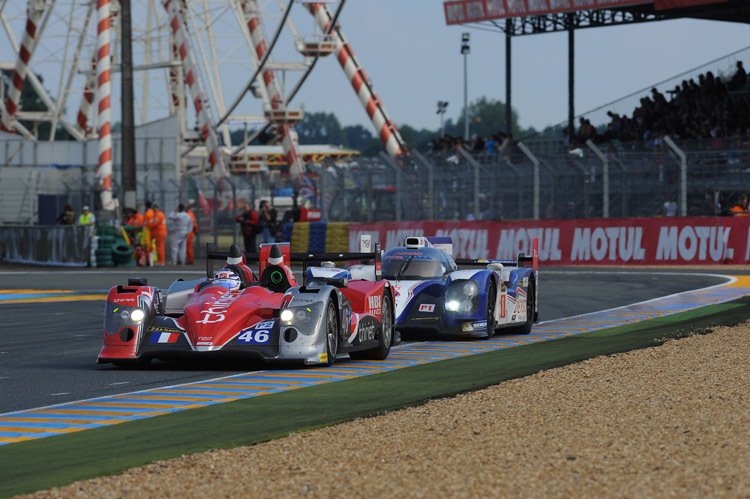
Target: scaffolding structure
{"x": 210, "y": 63}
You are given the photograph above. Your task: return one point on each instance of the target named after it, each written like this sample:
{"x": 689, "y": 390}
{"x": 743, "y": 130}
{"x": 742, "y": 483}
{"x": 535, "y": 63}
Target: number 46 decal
{"x": 258, "y": 334}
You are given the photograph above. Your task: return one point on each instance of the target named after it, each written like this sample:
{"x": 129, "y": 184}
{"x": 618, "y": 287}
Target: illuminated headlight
{"x": 136, "y": 315}
{"x": 301, "y": 317}
{"x": 462, "y": 297}
{"x": 286, "y": 316}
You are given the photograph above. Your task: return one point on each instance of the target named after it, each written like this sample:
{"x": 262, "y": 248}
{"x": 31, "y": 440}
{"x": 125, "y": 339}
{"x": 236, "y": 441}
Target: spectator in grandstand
{"x": 669, "y": 209}
{"x": 740, "y": 209}
{"x": 739, "y": 78}
{"x": 709, "y": 208}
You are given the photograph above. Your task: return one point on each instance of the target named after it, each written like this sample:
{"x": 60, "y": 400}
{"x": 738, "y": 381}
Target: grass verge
{"x": 54, "y": 461}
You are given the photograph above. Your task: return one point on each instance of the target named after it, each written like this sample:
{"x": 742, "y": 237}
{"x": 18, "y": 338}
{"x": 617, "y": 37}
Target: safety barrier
{"x": 615, "y": 241}
{"x": 45, "y": 245}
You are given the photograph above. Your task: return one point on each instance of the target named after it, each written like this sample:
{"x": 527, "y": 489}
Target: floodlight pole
{"x": 465, "y": 51}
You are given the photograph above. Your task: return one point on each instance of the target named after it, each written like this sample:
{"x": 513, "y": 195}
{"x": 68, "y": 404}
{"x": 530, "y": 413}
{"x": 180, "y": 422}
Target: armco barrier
{"x": 614, "y": 241}
{"x": 45, "y": 245}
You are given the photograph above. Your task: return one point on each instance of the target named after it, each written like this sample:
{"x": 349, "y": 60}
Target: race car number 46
{"x": 257, "y": 335}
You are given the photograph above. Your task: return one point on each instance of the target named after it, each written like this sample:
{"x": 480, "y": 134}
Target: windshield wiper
{"x": 403, "y": 267}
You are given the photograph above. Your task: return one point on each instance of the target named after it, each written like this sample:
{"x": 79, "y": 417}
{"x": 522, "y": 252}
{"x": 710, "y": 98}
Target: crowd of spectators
{"x": 478, "y": 146}
{"x": 708, "y": 109}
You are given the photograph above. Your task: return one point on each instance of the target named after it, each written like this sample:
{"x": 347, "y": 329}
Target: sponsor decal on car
{"x": 159, "y": 329}
{"x": 322, "y": 357}
{"x": 163, "y": 337}
{"x": 427, "y": 307}
{"x": 474, "y": 326}
{"x": 374, "y": 304}
{"x": 127, "y": 299}
{"x": 215, "y": 312}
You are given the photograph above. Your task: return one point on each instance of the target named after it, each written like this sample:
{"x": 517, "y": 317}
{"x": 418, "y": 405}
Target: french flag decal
{"x": 159, "y": 337}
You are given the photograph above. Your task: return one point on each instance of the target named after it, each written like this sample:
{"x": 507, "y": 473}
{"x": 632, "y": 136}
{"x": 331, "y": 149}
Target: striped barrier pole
{"x": 289, "y": 139}
{"x": 89, "y": 93}
{"x": 207, "y": 129}
{"x": 103, "y": 94}
{"x": 28, "y": 44}
{"x": 385, "y": 128}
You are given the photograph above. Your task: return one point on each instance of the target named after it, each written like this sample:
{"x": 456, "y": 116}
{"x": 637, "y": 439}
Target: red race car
{"x": 234, "y": 313}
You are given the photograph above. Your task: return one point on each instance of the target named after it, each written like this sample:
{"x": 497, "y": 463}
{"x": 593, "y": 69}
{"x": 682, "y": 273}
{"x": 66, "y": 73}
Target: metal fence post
{"x": 390, "y": 162}
{"x": 323, "y": 192}
{"x": 430, "y": 183}
{"x": 683, "y": 174}
{"x": 475, "y": 165}
{"x": 605, "y": 177}
{"x": 535, "y": 162}
{"x": 215, "y": 209}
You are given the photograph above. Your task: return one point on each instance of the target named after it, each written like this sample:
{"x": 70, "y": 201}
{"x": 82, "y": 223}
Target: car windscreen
{"x": 413, "y": 268}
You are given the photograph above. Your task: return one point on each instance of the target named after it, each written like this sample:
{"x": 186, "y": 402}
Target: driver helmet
{"x": 227, "y": 278}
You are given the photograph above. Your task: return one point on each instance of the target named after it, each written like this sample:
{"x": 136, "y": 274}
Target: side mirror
{"x": 496, "y": 266}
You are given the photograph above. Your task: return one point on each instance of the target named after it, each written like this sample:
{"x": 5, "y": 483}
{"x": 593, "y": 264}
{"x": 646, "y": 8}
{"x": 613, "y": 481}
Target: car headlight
{"x": 462, "y": 297}
{"x": 302, "y": 317}
{"x": 286, "y": 316}
{"x": 137, "y": 315}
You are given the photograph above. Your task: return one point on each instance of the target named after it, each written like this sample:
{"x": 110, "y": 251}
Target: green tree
{"x": 487, "y": 117}
{"x": 320, "y": 128}
{"x": 418, "y": 139}
{"x": 356, "y": 137}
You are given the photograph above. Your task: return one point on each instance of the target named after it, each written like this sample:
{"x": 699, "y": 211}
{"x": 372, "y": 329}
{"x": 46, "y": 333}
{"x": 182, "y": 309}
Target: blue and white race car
{"x": 433, "y": 295}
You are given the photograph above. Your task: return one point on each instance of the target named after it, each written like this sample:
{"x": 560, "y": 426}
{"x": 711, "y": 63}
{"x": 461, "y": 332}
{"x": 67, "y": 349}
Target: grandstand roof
{"x": 529, "y": 17}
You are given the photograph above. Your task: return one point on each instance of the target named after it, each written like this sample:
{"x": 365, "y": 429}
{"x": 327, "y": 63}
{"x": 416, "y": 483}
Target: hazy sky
{"x": 414, "y": 60}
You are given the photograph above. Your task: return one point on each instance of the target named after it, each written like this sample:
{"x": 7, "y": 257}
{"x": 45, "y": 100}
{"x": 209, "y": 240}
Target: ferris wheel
{"x": 210, "y": 63}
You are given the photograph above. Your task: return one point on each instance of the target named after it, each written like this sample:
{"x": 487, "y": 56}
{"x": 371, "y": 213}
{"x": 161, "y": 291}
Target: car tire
{"x": 491, "y": 299}
{"x": 525, "y": 328}
{"x": 332, "y": 333}
{"x": 387, "y": 330}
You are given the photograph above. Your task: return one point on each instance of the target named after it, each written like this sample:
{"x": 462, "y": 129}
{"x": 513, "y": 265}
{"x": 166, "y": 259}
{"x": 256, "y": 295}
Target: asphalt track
{"x": 48, "y": 347}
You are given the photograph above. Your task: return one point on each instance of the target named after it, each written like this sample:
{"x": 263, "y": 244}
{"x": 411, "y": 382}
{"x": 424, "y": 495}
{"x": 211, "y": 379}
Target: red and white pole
{"x": 385, "y": 128}
{"x": 28, "y": 44}
{"x": 89, "y": 93}
{"x": 103, "y": 95}
{"x": 289, "y": 139}
{"x": 207, "y": 129}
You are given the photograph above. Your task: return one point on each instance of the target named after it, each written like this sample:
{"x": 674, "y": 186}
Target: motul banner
{"x": 678, "y": 4}
{"x": 614, "y": 241}
{"x": 469, "y": 11}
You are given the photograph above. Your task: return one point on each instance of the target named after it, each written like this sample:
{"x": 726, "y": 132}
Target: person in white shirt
{"x": 182, "y": 225}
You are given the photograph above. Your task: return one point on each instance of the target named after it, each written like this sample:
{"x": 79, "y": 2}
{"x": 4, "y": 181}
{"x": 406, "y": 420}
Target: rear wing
{"x": 305, "y": 258}
{"x": 521, "y": 261}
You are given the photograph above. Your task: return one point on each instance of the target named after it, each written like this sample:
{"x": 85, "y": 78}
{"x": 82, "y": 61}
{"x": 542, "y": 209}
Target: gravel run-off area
{"x": 672, "y": 420}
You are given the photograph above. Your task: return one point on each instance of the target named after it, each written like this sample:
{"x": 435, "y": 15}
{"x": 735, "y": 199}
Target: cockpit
{"x": 416, "y": 264}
